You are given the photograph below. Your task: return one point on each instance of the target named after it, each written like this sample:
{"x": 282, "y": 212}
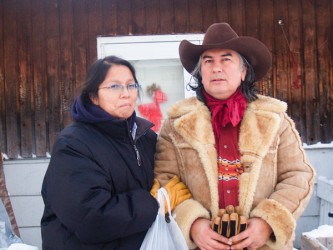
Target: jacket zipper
{"x": 138, "y": 158}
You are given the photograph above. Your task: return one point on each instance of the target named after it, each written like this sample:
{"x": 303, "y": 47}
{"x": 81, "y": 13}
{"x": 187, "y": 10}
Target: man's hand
{"x": 255, "y": 236}
{"x": 206, "y": 238}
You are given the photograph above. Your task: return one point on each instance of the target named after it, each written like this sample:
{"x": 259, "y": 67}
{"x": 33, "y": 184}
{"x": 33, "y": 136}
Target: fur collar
{"x": 193, "y": 119}
{"x": 261, "y": 121}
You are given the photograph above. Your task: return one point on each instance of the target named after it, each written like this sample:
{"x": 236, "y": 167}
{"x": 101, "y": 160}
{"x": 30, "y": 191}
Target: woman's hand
{"x": 206, "y": 238}
{"x": 256, "y": 235}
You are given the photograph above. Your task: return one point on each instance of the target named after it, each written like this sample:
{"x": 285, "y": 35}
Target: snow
{"x": 324, "y": 179}
{"x": 318, "y": 145}
{"x": 323, "y": 231}
{"x": 4, "y": 156}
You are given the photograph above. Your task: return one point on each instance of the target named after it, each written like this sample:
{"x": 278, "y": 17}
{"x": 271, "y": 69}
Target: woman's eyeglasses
{"x": 119, "y": 88}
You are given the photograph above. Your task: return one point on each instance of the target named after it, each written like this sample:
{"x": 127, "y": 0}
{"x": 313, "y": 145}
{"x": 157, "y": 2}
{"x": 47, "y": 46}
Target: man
{"x": 231, "y": 146}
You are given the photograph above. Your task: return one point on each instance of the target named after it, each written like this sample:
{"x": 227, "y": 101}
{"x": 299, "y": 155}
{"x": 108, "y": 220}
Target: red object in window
{"x": 152, "y": 111}
{"x": 160, "y": 97}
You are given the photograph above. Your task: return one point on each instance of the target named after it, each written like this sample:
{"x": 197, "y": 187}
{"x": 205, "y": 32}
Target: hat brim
{"x": 252, "y": 49}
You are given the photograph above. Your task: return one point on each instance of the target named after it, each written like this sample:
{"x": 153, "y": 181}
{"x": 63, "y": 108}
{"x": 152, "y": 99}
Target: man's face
{"x": 222, "y": 72}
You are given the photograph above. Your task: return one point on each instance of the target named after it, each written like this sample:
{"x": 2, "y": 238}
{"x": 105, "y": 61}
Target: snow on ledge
{"x": 323, "y": 231}
{"x": 324, "y": 179}
{"x": 318, "y": 145}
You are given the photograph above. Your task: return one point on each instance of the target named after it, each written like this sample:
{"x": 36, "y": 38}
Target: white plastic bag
{"x": 164, "y": 235}
{"x": 21, "y": 246}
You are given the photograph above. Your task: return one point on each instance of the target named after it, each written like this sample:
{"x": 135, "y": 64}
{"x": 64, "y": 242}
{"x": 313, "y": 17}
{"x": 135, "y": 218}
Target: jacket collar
{"x": 120, "y": 129}
{"x": 192, "y": 120}
{"x": 261, "y": 121}
{"x": 259, "y": 126}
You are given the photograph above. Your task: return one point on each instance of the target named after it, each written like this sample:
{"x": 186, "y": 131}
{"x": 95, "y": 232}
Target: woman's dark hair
{"x": 247, "y": 86}
{"x": 97, "y": 73}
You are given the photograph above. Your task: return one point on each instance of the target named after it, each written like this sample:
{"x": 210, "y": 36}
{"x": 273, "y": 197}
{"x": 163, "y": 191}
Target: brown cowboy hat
{"x": 221, "y": 35}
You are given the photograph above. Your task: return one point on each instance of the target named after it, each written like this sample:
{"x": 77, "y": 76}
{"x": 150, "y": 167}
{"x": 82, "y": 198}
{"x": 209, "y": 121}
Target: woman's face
{"x": 119, "y": 100}
{"x": 222, "y": 72}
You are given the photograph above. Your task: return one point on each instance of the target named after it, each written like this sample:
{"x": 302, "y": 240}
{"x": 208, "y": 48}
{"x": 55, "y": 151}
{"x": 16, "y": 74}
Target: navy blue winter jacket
{"x": 96, "y": 188}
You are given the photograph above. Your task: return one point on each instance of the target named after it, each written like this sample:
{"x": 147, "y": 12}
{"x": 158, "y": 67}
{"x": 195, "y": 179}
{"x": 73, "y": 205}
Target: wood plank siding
{"x": 47, "y": 45}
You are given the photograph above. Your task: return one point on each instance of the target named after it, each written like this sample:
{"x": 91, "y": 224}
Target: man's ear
{"x": 244, "y": 73}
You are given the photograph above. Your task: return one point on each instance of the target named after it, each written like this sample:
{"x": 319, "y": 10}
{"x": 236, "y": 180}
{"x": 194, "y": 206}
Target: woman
{"x": 231, "y": 146}
{"x": 97, "y": 187}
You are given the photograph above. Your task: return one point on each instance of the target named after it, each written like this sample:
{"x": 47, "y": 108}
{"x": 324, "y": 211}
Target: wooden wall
{"x": 46, "y": 46}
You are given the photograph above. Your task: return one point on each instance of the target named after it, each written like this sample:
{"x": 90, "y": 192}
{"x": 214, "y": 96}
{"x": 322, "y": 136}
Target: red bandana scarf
{"x": 225, "y": 111}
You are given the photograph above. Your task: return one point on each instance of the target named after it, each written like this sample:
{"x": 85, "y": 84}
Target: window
{"x": 158, "y": 68}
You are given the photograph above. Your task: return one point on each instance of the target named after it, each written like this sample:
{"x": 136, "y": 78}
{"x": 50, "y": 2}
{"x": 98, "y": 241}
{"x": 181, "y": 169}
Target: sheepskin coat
{"x": 277, "y": 181}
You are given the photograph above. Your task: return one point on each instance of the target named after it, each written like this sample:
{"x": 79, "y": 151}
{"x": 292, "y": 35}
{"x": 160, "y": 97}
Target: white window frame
{"x": 147, "y": 48}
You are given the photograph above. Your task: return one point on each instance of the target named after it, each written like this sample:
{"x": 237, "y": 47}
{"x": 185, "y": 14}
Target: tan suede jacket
{"x": 277, "y": 181}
